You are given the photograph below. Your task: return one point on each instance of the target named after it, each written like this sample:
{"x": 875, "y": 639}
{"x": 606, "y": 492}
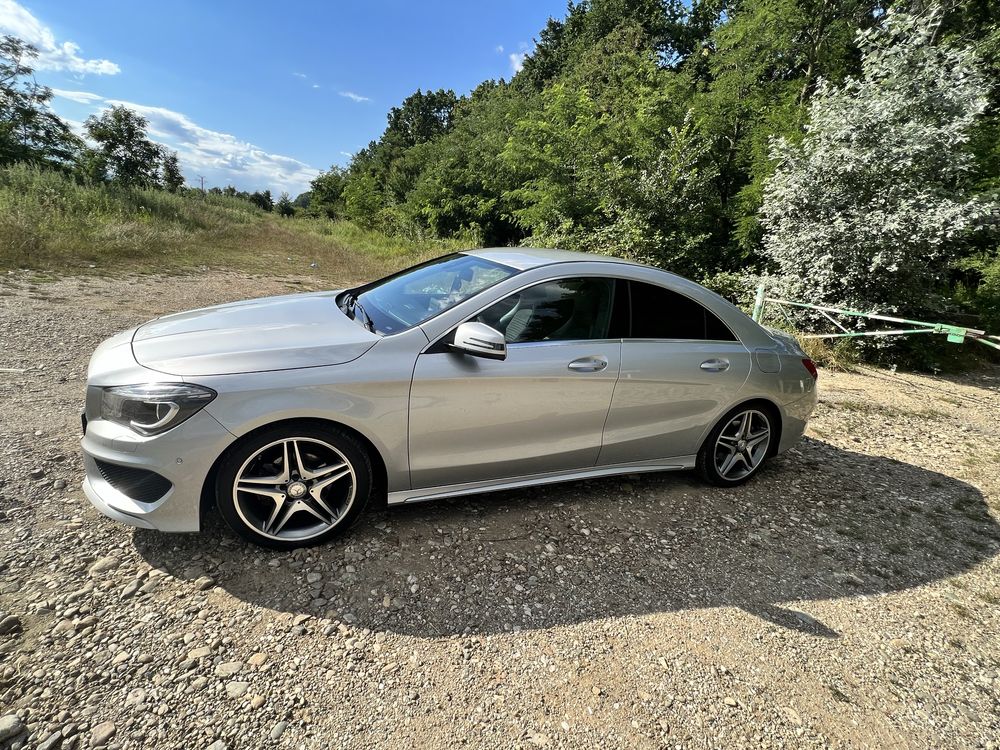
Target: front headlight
{"x": 153, "y": 408}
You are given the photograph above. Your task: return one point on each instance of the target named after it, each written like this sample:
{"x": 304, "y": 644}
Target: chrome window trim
{"x": 563, "y": 342}
{"x": 648, "y": 340}
{"x": 589, "y": 274}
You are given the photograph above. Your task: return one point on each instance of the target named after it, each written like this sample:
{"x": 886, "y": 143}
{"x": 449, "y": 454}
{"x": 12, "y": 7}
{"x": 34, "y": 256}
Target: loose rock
{"x": 103, "y": 565}
{"x": 10, "y": 624}
{"x": 229, "y": 668}
{"x": 10, "y": 726}
{"x": 101, "y": 734}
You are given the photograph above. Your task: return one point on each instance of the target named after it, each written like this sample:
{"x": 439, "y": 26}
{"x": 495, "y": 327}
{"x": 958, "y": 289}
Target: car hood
{"x": 273, "y": 333}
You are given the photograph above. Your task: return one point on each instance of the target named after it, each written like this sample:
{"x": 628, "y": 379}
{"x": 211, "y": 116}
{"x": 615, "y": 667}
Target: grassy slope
{"x": 49, "y": 223}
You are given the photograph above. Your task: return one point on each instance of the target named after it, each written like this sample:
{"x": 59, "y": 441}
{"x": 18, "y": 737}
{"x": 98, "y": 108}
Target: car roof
{"x": 523, "y": 258}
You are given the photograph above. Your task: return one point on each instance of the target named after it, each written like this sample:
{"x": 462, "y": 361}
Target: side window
{"x": 563, "y": 310}
{"x": 659, "y": 313}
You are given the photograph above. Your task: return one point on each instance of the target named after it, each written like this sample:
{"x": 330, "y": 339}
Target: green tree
{"x": 562, "y": 43}
{"x": 866, "y": 209}
{"x": 262, "y": 200}
{"x": 751, "y": 81}
{"x": 89, "y": 166}
{"x": 976, "y": 271}
{"x": 284, "y": 206}
{"x": 610, "y": 163}
{"x": 326, "y": 193}
{"x": 421, "y": 117}
{"x": 130, "y": 158}
{"x": 664, "y": 215}
{"x": 29, "y": 130}
{"x": 460, "y": 190}
{"x": 363, "y": 200}
{"x": 381, "y": 175}
{"x": 557, "y": 158}
{"x": 171, "y": 176}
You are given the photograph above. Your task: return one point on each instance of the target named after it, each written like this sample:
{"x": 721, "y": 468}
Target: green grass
{"x": 52, "y": 225}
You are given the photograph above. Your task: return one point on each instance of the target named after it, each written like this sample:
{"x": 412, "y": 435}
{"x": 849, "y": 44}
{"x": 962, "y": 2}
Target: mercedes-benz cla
{"x": 477, "y": 371}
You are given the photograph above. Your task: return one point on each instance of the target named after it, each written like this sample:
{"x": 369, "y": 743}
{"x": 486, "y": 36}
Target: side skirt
{"x": 400, "y": 497}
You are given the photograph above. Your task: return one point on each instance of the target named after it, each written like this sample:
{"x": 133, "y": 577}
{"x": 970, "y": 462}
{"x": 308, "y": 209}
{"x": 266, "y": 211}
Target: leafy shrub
{"x": 864, "y": 212}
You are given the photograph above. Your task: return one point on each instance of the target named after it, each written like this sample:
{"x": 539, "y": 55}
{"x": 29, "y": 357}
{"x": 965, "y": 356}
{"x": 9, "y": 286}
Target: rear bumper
{"x": 796, "y": 419}
{"x": 183, "y": 456}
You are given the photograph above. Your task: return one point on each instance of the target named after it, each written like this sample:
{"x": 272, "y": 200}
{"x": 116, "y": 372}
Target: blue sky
{"x": 263, "y": 95}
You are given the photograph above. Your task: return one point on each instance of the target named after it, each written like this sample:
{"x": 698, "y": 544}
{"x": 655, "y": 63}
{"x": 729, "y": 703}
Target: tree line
{"x": 120, "y": 149}
{"x": 117, "y": 148}
{"x": 847, "y": 150}
{"x": 848, "y": 145}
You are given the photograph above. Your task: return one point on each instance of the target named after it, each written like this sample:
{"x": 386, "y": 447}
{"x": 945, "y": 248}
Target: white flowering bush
{"x": 866, "y": 209}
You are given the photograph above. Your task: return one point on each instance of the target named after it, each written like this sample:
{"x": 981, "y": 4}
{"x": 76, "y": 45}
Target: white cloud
{"x": 203, "y": 150}
{"x": 221, "y": 157}
{"x": 16, "y": 20}
{"x": 76, "y": 126}
{"x": 80, "y": 97}
{"x": 354, "y": 97}
{"x": 499, "y": 49}
{"x": 516, "y": 61}
{"x": 315, "y": 85}
{"x": 300, "y": 75}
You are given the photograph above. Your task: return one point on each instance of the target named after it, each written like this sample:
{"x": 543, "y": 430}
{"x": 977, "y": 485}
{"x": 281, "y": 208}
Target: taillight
{"x": 811, "y": 366}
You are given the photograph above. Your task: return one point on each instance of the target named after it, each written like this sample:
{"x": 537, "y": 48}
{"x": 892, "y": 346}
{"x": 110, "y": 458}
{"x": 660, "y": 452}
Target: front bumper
{"x": 183, "y": 456}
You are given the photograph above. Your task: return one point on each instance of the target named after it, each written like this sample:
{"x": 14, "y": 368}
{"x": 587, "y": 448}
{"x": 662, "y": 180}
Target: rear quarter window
{"x": 659, "y": 313}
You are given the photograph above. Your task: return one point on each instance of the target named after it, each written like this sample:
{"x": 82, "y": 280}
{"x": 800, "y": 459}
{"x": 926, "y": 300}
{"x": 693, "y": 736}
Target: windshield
{"x": 409, "y": 298}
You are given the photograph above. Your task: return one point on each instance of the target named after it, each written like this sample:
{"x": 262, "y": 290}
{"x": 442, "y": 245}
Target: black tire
{"x": 263, "y": 454}
{"x": 707, "y": 463}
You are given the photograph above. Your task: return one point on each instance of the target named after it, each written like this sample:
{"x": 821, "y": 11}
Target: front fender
{"x": 369, "y": 395}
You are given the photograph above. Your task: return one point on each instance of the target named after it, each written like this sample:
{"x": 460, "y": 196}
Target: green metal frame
{"x": 955, "y": 334}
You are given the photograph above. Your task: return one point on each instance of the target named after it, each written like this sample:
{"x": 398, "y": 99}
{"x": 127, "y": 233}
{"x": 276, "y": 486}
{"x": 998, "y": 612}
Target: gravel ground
{"x": 847, "y": 597}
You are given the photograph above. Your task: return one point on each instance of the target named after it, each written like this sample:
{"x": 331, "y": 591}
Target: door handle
{"x": 588, "y": 364}
{"x": 715, "y": 365}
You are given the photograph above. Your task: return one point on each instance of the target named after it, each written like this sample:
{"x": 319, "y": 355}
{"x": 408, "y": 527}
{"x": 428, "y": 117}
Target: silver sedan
{"x": 477, "y": 371}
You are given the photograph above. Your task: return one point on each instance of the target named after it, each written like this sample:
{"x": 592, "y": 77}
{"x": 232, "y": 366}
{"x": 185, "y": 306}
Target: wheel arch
{"x": 379, "y": 469}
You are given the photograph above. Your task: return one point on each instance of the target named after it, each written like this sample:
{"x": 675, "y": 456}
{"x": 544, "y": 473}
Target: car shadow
{"x": 819, "y": 523}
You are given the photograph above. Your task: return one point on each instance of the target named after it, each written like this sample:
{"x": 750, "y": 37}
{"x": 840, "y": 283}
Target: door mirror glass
{"x": 479, "y": 340}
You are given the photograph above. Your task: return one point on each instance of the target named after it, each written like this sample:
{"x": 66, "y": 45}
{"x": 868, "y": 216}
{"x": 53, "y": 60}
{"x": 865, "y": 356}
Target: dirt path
{"x": 847, "y": 597}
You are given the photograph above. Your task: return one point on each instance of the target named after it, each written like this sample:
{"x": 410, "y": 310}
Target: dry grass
{"x": 834, "y": 354}
{"x": 51, "y": 224}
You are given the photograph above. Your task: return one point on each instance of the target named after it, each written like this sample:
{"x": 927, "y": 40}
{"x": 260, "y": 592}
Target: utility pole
{"x": 202, "y": 178}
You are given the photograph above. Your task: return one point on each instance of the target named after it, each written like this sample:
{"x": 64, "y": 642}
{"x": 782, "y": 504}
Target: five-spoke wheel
{"x": 295, "y": 485}
{"x": 736, "y": 448}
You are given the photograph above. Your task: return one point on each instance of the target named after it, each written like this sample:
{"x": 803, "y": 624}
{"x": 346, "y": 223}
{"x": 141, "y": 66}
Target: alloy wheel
{"x": 742, "y": 444}
{"x": 294, "y": 489}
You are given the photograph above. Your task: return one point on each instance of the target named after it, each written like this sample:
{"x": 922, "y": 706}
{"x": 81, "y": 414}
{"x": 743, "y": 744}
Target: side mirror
{"x": 479, "y": 340}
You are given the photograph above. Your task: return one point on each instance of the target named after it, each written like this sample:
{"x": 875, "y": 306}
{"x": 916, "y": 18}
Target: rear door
{"x": 681, "y": 368}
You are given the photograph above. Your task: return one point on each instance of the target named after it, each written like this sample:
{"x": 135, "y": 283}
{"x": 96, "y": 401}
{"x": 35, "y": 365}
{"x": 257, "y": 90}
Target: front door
{"x": 541, "y": 410}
